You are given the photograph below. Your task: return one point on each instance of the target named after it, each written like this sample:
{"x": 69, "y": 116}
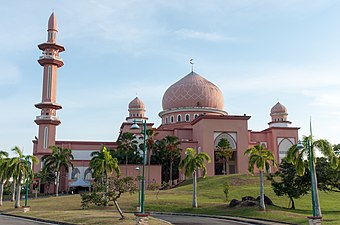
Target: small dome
{"x": 278, "y": 108}
{"x": 193, "y": 91}
{"x": 136, "y": 103}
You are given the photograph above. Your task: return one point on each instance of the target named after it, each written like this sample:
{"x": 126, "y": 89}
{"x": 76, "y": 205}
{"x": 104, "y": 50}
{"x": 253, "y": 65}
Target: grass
{"x": 211, "y": 200}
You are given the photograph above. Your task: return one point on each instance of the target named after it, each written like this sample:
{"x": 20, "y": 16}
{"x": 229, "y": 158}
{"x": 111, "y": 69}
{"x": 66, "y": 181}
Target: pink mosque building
{"x": 193, "y": 111}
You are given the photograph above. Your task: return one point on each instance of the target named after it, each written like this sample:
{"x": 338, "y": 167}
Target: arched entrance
{"x": 231, "y": 163}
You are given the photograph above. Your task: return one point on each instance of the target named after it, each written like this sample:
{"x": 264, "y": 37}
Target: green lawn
{"x": 210, "y": 199}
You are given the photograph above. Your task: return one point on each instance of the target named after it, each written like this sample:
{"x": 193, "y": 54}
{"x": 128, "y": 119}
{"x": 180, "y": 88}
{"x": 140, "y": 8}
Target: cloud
{"x": 205, "y": 36}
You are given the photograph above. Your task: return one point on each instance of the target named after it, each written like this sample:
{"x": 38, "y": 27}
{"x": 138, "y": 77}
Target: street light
{"x": 135, "y": 126}
{"x": 27, "y": 180}
{"x": 138, "y": 180}
{"x": 315, "y": 195}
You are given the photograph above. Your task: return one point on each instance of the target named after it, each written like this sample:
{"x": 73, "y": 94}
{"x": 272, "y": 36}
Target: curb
{"x": 237, "y": 219}
{"x": 36, "y": 219}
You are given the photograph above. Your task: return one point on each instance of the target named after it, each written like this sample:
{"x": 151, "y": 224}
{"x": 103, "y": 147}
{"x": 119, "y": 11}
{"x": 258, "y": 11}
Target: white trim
{"x": 194, "y": 109}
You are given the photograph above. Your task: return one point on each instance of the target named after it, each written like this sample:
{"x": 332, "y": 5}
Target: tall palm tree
{"x": 3, "y": 172}
{"x": 103, "y": 164}
{"x": 150, "y": 145}
{"x": 297, "y": 156}
{"x": 191, "y": 163}
{"x": 19, "y": 167}
{"x": 260, "y": 158}
{"x": 225, "y": 152}
{"x": 127, "y": 143}
{"x": 173, "y": 151}
{"x": 59, "y": 159}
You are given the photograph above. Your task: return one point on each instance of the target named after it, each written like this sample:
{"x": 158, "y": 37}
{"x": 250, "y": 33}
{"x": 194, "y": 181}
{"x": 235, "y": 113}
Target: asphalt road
{"x": 10, "y": 220}
{"x": 195, "y": 220}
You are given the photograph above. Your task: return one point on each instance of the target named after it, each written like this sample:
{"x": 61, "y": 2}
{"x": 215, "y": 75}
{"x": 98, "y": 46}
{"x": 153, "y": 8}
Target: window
{"x": 45, "y": 137}
{"x": 49, "y": 77}
{"x": 196, "y": 115}
{"x": 166, "y": 120}
{"x": 171, "y": 119}
{"x": 187, "y": 117}
{"x": 179, "y": 118}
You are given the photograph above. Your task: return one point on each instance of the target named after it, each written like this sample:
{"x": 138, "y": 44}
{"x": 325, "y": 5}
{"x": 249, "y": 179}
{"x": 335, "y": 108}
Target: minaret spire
{"x": 50, "y": 61}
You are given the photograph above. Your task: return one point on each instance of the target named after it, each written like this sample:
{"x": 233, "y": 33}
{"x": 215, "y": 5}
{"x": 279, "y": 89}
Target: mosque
{"x": 193, "y": 111}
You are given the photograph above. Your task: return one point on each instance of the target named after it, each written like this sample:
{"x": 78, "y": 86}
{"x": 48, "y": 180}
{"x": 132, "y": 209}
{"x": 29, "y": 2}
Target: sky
{"x": 256, "y": 52}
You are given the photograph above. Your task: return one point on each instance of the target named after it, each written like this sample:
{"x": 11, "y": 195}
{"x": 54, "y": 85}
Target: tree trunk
{"x": 118, "y": 208}
{"x": 224, "y": 167}
{"x": 57, "y": 184}
{"x": 126, "y": 163}
{"x": 170, "y": 180}
{"x": 292, "y": 201}
{"x": 194, "y": 190}
{"x": 17, "y": 193}
{"x": 227, "y": 165}
{"x": 262, "y": 205}
{"x": 1, "y": 192}
{"x": 13, "y": 191}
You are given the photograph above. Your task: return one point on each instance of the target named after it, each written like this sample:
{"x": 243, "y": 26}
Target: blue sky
{"x": 256, "y": 52}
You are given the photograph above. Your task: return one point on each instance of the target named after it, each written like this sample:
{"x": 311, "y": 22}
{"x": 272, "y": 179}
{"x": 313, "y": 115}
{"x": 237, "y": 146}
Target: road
{"x": 10, "y": 220}
{"x": 195, "y": 220}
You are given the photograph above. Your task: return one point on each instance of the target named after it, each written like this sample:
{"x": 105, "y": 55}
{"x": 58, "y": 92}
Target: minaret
{"x": 50, "y": 61}
{"x": 136, "y": 111}
{"x": 279, "y": 115}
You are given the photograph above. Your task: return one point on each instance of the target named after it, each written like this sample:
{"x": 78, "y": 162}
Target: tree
{"x": 127, "y": 144}
{"x": 47, "y": 177}
{"x": 19, "y": 167}
{"x": 173, "y": 151}
{"x": 4, "y": 171}
{"x": 190, "y": 164}
{"x": 102, "y": 195}
{"x": 103, "y": 164}
{"x": 59, "y": 159}
{"x": 150, "y": 144}
{"x": 225, "y": 152}
{"x": 328, "y": 177}
{"x": 260, "y": 158}
{"x": 287, "y": 182}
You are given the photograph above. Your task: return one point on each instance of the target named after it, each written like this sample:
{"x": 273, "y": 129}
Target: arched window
{"x": 166, "y": 120}
{"x": 171, "y": 119}
{"x": 196, "y": 115}
{"x": 187, "y": 117}
{"x": 45, "y": 137}
{"x": 88, "y": 174}
{"x": 49, "y": 78}
{"x": 179, "y": 118}
{"x": 75, "y": 174}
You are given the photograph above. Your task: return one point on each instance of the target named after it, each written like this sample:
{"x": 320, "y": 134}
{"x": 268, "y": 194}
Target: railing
{"x": 47, "y": 117}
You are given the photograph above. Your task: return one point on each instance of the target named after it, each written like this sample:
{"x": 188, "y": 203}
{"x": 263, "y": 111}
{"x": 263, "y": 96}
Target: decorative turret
{"x": 136, "y": 110}
{"x": 50, "y": 61}
{"x": 279, "y": 115}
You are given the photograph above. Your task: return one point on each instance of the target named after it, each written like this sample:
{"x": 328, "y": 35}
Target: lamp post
{"x": 315, "y": 195}
{"x": 27, "y": 180}
{"x": 137, "y": 168}
{"x": 135, "y": 126}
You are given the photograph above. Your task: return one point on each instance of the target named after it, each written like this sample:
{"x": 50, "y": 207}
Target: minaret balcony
{"x": 47, "y": 119}
{"x": 50, "y": 59}
{"x": 46, "y": 56}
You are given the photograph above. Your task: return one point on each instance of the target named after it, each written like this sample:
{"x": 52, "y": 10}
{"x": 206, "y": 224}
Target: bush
{"x": 226, "y": 191}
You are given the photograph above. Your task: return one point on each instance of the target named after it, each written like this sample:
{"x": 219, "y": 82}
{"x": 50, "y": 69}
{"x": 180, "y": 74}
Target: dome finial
{"x": 192, "y": 64}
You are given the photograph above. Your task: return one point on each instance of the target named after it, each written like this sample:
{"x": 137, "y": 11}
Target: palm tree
{"x": 297, "y": 156}
{"x": 225, "y": 152}
{"x": 59, "y": 159}
{"x": 127, "y": 143}
{"x": 260, "y": 158}
{"x": 3, "y": 172}
{"x": 173, "y": 151}
{"x": 191, "y": 163}
{"x": 19, "y": 167}
{"x": 150, "y": 144}
{"x": 103, "y": 164}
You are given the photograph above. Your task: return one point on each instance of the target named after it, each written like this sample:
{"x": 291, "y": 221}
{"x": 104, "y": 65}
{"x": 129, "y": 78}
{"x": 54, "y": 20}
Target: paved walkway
{"x": 195, "y": 220}
{"x": 10, "y": 220}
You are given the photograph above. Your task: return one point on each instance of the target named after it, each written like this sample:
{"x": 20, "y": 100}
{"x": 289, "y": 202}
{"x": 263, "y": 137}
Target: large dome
{"x": 193, "y": 91}
{"x": 278, "y": 108}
